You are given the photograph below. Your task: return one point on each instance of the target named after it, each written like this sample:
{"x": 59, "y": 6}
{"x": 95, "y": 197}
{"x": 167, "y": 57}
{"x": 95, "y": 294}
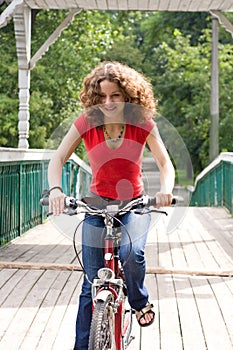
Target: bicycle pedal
{"x": 127, "y": 311}
{"x": 132, "y": 337}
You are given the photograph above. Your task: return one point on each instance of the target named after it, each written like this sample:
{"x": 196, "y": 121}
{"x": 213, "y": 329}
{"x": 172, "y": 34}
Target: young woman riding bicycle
{"x": 115, "y": 126}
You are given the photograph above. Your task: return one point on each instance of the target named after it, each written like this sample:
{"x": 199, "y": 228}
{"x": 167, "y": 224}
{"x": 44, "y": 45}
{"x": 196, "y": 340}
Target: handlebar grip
{"x": 69, "y": 202}
{"x": 152, "y": 201}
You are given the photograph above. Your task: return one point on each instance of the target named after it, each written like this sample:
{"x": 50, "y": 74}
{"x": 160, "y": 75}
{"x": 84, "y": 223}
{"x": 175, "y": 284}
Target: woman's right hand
{"x": 56, "y": 202}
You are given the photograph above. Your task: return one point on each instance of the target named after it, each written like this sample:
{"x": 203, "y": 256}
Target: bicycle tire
{"x": 102, "y": 326}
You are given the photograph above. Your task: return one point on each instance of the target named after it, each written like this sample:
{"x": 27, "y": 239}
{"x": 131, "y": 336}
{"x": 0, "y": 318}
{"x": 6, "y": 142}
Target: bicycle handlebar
{"x": 73, "y": 203}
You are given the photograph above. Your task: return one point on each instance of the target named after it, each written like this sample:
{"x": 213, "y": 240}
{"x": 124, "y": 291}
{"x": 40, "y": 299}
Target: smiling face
{"x": 111, "y": 100}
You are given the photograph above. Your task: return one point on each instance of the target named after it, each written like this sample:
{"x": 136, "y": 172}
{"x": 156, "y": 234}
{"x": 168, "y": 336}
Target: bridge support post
{"x": 22, "y": 24}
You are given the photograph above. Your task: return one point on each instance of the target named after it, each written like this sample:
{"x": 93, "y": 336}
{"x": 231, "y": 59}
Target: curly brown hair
{"x": 134, "y": 86}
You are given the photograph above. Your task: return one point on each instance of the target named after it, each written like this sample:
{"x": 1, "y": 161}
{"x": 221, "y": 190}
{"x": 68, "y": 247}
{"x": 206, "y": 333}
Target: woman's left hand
{"x": 163, "y": 199}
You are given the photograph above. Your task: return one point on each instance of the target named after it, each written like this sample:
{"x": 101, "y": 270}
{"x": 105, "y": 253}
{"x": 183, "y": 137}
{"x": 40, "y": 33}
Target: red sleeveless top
{"x": 116, "y": 173}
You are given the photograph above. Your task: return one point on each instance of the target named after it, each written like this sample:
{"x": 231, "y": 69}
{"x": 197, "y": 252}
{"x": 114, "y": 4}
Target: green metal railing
{"x": 214, "y": 186}
{"x": 21, "y": 186}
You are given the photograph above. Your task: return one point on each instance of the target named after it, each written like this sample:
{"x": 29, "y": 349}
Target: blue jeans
{"x": 134, "y": 270}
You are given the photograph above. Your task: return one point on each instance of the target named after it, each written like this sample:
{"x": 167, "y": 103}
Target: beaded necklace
{"x": 116, "y": 139}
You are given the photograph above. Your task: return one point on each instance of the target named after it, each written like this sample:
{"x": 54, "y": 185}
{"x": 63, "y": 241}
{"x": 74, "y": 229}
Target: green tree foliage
{"x": 125, "y": 47}
{"x": 181, "y": 76}
{"x": 159, "y": 27}
{"x": 8, "y": 89}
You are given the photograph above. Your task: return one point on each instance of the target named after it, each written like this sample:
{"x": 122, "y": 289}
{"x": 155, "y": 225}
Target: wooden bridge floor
{"x": 39, "y": 306}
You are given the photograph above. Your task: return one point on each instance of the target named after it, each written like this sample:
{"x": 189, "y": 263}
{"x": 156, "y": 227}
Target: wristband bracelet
{"x": 55, "y": 188}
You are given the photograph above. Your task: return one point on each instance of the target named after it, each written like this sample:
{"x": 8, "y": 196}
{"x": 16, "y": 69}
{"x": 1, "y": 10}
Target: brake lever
{"x": 69, "y": 211}
{"x": 145, "y": 211}
{"x": 158, "y": 211}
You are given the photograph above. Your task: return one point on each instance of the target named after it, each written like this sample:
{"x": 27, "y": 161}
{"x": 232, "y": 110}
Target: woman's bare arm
{"x": 63, "y": 153}
{"x": 167, "y": 173}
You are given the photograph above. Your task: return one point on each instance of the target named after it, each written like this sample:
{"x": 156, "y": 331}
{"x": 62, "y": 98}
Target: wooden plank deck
{"x": 38, "y": 307}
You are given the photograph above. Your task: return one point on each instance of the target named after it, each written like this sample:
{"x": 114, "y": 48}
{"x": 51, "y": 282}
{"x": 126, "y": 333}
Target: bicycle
{"x": 112, "y": 319}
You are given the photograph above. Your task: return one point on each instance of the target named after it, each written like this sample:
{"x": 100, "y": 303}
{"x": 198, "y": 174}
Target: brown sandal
{"x": 146, "y": 310}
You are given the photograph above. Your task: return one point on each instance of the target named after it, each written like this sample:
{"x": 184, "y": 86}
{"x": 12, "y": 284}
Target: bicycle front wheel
{"x": 102, "y": 326}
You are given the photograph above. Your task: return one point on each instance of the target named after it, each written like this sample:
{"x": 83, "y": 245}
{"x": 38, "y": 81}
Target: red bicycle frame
{"x": 111, "y": 262}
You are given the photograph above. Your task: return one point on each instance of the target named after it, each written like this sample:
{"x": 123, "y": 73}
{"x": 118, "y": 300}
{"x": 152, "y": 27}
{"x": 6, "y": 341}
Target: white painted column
{"x": 22, "y": 24}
